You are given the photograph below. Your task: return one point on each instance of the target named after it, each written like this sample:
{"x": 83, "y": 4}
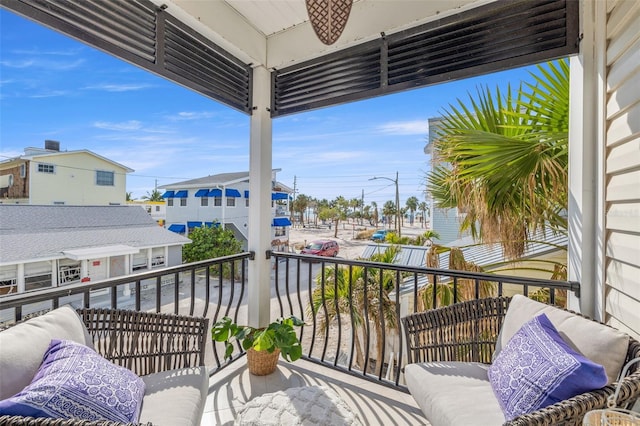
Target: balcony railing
{"x": 352, "y": 309}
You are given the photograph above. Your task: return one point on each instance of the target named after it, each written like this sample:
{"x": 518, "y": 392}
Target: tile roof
{"x": 29, "y": 232}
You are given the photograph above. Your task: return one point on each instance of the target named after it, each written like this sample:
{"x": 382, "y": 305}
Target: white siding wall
{"x": 622, "y": 166}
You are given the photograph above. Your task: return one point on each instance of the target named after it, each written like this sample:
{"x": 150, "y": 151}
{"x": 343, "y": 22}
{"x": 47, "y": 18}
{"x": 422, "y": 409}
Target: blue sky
{"x": 53, "y": 87}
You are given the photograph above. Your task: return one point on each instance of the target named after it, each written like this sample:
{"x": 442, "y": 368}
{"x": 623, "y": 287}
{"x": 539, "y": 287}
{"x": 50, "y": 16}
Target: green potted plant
{"x": 263, "y": 345}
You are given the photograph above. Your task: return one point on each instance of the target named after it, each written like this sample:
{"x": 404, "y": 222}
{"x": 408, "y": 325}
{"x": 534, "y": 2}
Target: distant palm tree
{"x": 412, "y": 205}
{"x": 129, "y": 196}
{"x": 505, "y": 160}
{"x": 154, "y": 195}
{"x": 424, "y": 209}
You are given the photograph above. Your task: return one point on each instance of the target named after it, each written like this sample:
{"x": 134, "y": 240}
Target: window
{"x": 104, "y": 178}
{"x": 8, "y": 279}
{"x": 169, "y": 202}
{"x": 217, "y": 201}
{"x": 204, "y": 201}
{"x": 37, "y": 275}
{"x": 157, "y": 257}
{"x": 69, "y": 272}
{"x": 231, "y": 202}
{"x": 183, "y": 202}
{"x": 46, "y": 168}
{"x": 246, "y": 202}
{"x": 157, "y": 208}
{"x": 139, "y": 260}
{"x": 23, "y": 170}
{"x": 280, "y": 231}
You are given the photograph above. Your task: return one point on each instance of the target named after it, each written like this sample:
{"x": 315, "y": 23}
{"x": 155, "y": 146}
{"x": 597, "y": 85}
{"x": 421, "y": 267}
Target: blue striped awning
{"x": 279, "y": 196}
{"x": 281, "y": 221}
{"x": 215, "y": 193}
{"x": 168, "y": 194}
{"x": 246, "y": 194}
{"x": 177, "y": 228}
{"x": 202, "y": 193}
{"x": 182, "y": 194}
{"x": 193, "y": 224}
{"x": 230, "y": 192}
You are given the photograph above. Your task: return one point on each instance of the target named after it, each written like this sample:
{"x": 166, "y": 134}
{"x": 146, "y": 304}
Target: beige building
{"x": 50, "y": 176}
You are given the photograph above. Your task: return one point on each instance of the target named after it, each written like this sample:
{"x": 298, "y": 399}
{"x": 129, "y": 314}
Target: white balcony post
{"x": 260, "y": 216}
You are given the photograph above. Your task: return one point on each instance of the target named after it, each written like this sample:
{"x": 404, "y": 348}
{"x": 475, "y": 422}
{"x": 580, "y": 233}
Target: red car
{"x": 327, "y": 248}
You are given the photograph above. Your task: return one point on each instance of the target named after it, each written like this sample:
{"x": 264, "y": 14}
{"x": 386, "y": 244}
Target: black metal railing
{"x": 352, "y": 308}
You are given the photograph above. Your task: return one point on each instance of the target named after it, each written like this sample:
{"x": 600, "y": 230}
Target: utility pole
{"x": 398, "y": 223}
{"x": 361, "y": 206}
{"x": 294, "y": 200}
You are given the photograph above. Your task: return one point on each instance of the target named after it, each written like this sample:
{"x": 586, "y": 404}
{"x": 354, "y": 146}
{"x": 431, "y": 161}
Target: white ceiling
{"x": 277, "y": 33}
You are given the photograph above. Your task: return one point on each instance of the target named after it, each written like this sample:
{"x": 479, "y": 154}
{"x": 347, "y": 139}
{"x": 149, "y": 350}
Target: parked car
{"x": 327, "y": 248}
{"x": 380, "y": 235}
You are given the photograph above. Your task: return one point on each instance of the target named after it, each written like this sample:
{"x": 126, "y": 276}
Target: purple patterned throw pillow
{"x": 74, "y": 381}
{"x": 537, "y": 368}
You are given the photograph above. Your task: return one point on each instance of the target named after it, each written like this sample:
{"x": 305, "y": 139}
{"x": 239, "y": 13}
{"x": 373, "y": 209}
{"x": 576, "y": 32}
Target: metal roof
{"x": 34, "y": 232}
{"x": 483, "y": 255}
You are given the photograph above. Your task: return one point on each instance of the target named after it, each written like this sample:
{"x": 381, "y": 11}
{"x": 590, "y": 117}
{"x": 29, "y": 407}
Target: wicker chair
{"x": 468, "y": 332}
{"x": 143, "y": 342}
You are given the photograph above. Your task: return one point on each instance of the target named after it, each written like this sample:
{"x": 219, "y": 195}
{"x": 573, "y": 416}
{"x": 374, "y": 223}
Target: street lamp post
{"x": 398, "y": 223}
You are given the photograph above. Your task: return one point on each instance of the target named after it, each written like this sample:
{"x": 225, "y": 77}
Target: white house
{"x": 224, "y": 199}
{"x": 53, "y": 246}
{"x": 51, "y": 176}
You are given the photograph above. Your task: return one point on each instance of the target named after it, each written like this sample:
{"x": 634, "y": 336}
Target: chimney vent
{"x": 51, "y": 145}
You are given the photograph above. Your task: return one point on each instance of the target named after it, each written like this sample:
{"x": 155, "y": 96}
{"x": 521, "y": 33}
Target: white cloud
{"x": 122, "y": 126}
{"x": 48, "y": 94}
{"x": 118, "y": 87}
{"x": 43, "y": 64}
{"x": 414, "y": 127}
{"x": 191, "y": 115}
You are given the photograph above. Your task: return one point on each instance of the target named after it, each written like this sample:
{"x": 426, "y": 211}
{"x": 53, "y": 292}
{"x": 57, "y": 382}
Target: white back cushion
{"x": 600, "y": 343}
{"x": 22, "y": 346}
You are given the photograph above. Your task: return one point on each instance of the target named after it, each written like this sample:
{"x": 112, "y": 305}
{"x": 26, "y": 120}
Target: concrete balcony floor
{"x": 375, "y": 404}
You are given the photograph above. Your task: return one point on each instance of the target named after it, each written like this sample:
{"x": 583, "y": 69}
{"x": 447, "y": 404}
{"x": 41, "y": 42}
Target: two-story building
{"x": 223, "y": 199}
{"x": 50, "y": 176}
{"x": 51, "y": 246}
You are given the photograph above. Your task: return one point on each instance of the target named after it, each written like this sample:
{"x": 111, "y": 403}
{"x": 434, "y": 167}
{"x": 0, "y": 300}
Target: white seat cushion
{"x": 454, "y": 393}
{"x": 601, "y": 344}
{"x": 175, "y": 397}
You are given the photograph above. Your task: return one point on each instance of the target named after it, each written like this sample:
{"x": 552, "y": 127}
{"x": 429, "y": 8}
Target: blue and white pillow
{"x": 537, "y": 368}
{"x": 74, "y": 381}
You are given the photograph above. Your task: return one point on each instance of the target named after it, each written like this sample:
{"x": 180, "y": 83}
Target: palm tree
{"x": 389, "y": 210}
{"x": 424, "y": 209}
{"x": 129, "y": 196}
{"x": 374, "y": 207}
{"x": 412, "y": 205}
{"x": 505, "y": 160}
{"x": 360, "y": 293}
{"x": 300, "y": 205}
{"x": 154, "y": 195}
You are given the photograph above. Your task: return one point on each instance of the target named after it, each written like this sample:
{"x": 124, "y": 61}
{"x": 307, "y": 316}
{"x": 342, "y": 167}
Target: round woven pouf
{"x": 301, "y": 406}
{"x": 262, "y": 363}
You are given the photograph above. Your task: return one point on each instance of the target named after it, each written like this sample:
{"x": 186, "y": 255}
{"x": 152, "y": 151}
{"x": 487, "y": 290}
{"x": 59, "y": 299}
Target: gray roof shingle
{"x": 33, "y": 232}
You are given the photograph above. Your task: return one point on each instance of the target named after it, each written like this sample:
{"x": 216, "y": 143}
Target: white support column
{"x": 260, "y": 155}
{"x": 20, "y": 278}
{"x": 586, "y": 136}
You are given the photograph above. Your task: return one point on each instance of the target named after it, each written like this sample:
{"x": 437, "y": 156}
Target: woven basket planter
{"x": 262, "y": 363}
